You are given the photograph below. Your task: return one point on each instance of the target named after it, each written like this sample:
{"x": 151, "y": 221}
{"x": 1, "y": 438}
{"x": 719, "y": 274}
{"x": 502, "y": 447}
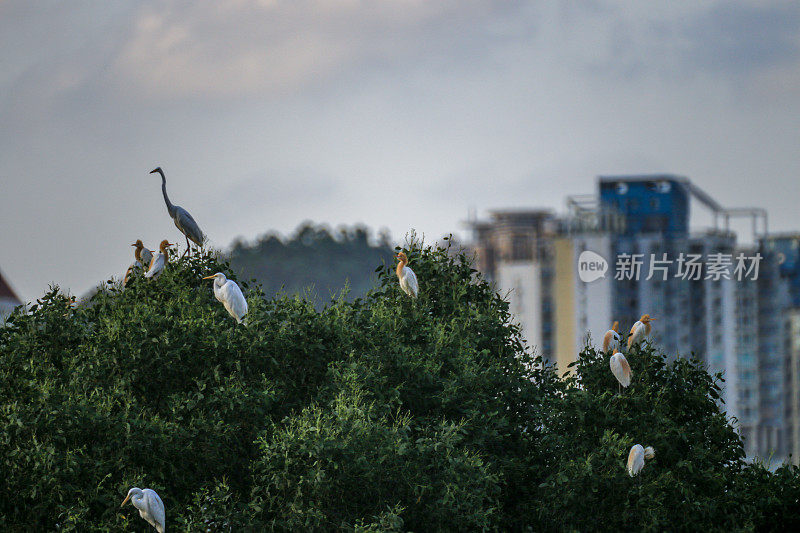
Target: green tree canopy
{"x": 380, "y": 414}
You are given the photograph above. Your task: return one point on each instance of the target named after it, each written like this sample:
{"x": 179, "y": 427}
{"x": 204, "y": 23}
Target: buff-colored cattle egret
{"x": 230, "y": 295}
{"x": 183, "y": 220}
{"x": 637, "y": 456}
{"x": 150, "y": 506}
{"x": 621, "y": 369}
{"x": 640, "y": 330}
{"x": 144, "y": 253}
{"x": 159, "y": 261}
{"x": 611, "y": 338}
{"x": 142, "y": 256}
{"x": 408, "y": 280}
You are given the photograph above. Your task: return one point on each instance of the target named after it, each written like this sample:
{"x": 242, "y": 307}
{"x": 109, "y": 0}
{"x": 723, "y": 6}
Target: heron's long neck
{"x": 170, "y": 207}
{"x": 136, "y": 500}
{"x": 400, "y": 266}
{"x": 647, "y": 328}
{"x": 166, "y": 255}
{"x": 138, "y": 254}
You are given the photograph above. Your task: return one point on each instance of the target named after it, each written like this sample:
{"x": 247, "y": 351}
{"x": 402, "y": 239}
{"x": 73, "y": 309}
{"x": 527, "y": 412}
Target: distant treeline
{"x": 314, "y": 257}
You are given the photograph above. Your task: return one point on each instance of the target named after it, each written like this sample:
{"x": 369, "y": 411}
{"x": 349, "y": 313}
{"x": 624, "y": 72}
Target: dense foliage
{"x": 314, "y": 261}
{"x": 380, "y": 414}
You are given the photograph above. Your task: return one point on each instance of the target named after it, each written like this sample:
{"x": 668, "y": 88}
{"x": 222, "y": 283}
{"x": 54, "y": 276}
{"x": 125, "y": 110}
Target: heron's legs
{"x": 187, "y": 247}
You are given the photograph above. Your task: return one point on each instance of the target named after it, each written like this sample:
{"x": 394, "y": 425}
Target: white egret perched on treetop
{"x": 640, "y": 330}
{"x": 150, "y": 506}
{"x": 183, "y": 220}
{"x": 637, "y": 456}
{"x": 159, "y": 261}
{"x": 408, "y": 280}
{"x": 230, "y": 295}
{"x": 621, "y": 369}
{"x": 611, "y": 338}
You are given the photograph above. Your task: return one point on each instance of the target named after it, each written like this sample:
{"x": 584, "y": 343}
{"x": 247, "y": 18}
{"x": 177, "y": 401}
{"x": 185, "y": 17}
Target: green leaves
{"x": 381, "y": 414}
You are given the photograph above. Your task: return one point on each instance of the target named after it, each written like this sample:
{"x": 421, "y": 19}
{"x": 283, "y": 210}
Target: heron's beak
{"x": 154, "y": 171}
{"x": 209, "y": 277}
{"x": 134, "y": 244}
{"x": 653, "y": 319}
{"x": 128, "y": 497}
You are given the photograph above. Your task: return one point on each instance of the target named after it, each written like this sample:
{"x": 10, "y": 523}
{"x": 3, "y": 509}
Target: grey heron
{"x": 183, "y": 220}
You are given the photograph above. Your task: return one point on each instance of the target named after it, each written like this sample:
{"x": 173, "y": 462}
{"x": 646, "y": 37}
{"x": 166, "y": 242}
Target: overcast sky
{"x": 398, "y": 113}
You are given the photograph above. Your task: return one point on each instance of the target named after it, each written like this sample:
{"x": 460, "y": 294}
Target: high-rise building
{"x": 735, "y": 308}
{"x": 784, "y": 249}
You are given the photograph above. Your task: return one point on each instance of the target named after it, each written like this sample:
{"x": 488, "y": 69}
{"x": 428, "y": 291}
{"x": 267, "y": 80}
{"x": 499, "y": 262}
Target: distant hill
{"x": 314, "y": 257}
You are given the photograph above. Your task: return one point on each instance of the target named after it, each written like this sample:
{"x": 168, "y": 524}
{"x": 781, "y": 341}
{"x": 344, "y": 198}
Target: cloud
{"x": 735, "y": 37}
{"x": 245, "y": 48}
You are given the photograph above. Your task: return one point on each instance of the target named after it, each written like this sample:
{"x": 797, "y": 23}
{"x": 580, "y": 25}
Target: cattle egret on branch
{"x": 621, "y": 369}
{"x": 150, "y": 506}
{"x": 145, "y": 255}
{"x": 640, "y": 330}
{"x": 159, "y": 261}
{"x": 611, "y": 339}
{"x": 637, "y": 456}
{"x": 183, "y": 220}
{"x": 408, "y": 280}
{"x": 230, "y": 295}
{"x": 142, "y": 256}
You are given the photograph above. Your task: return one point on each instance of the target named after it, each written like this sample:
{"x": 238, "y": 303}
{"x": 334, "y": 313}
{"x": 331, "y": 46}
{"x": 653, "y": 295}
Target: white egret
{"x": 640, "y": 330}
{"x": 183, "y": 220}
{"x": 408, "y": 280}
{"x": 150, "y": 506}
{"x": 230, "y": 295}
{"x": 637, "y": 456}
{"x": 159, "y": 261}
{"x": 621, "y": 369}
{"x": 611, "y": 338}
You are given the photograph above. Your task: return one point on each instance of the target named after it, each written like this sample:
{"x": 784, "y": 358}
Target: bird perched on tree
{"x": 620, "y": 368}
{"x": 183, "y": 220}
{"x": 637, "y": 456}
{"x": 230, "y": 295}
{"x": 640, "y": 330}
{"x": 611, "y": 338}
{"x": 408, "y": 280}
{"x": 160, "y": 260}
{"x": 142, "y": 256}
{"x": 150, "y": 506}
